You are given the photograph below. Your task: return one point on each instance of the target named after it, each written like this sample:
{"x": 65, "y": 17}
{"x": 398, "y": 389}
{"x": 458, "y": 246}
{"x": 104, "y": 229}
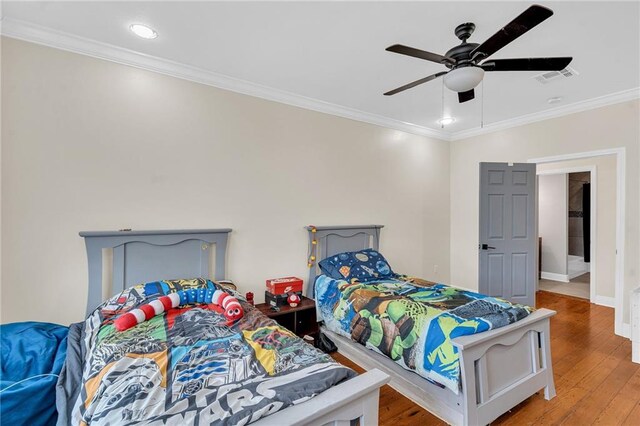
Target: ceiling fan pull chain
{"x": 442, "y": 109}
{"x": 482, "y": 105}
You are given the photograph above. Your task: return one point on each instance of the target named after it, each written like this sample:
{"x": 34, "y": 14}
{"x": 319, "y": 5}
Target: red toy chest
{"x": 284, "y": 285}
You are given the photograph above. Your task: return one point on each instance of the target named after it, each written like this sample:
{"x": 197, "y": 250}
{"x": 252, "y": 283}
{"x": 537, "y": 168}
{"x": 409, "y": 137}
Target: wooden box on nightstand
{"x": 301, "y": 320}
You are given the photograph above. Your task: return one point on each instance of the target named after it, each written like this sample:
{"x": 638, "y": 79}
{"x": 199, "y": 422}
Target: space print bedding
{"x": 411, "y": 321}
{"x": 186, "y": 365}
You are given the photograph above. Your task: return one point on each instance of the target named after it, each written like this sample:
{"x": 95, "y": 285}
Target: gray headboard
{"x": 337, "y": 239}
{"x": 142, "y": 256}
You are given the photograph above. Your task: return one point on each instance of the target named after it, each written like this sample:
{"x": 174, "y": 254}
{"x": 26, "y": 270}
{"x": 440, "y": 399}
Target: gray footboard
{"x": 503, "y": 367}
{"x": 357, "y": 398}
{"x": 499, "y": 369}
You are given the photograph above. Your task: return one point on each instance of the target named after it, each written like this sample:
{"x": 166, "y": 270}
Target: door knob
{"x": 486, "y": 247}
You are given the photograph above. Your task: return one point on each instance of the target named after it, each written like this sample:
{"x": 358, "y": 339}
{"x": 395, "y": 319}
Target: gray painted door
{"x": 507, "y": 231}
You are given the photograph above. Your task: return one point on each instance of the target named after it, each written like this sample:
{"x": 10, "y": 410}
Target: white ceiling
{"x": 334, "y": 52}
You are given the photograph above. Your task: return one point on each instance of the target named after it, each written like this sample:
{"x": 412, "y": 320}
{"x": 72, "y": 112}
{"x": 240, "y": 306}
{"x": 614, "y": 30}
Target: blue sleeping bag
{"x": 32, "y": 356}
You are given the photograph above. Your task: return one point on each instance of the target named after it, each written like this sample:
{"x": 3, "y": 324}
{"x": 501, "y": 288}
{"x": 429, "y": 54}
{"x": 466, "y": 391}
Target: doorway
{"x": 619, "y": 202}
{"x": 567, "y": 234}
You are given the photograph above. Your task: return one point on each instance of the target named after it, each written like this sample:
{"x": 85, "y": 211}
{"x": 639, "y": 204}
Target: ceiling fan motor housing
{"x": 461, "y": 54}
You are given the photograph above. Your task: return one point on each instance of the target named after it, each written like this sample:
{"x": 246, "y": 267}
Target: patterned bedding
{"x": 412, "y": 321}
{"x": 186, "y": 366}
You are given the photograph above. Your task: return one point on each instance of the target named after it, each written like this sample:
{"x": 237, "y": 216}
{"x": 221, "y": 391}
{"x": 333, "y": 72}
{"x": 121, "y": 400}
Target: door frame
{"x": 620, "y": 328}
{"x": 592, "y": 225}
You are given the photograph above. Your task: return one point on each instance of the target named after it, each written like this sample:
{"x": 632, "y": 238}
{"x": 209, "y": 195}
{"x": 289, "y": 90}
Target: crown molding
{"x": 60, "y": 40}
{"x": 613, "y": 98}
{"x": 26, "y": 31}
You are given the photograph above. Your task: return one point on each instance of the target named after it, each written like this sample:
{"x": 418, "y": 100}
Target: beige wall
{"x": 608, "y": 127}
{"x": 93, "y": 145}
{"x": 552, "y": 222}
{"x": 605, "y": 217}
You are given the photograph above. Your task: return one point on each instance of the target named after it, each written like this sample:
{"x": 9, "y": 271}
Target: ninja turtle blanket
{"x": 186, "y": 366}
{"x": 412, "y": 324}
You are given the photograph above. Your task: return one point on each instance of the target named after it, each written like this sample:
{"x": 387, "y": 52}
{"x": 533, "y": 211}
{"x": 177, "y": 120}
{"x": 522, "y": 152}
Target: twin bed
{"x": 498, "y": 368}
{"x": 188, "y": 365}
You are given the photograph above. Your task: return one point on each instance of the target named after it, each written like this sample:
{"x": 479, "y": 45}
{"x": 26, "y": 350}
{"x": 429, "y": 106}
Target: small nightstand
{"x": 301, "y": 320}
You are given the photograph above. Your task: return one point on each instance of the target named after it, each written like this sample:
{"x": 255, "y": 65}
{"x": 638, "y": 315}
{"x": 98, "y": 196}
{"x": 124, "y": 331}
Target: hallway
{"x": 577, "y": 287}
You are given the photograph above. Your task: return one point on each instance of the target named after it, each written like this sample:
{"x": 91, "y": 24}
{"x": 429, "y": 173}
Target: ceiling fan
{"x": 467, "y": 62}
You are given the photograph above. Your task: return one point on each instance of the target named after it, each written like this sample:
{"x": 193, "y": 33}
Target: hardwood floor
{"x": 596, "y": 381}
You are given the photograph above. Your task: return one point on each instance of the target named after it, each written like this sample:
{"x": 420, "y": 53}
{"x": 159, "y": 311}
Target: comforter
{"x": 186, "y": 366}
{"x": 412, "y": 321}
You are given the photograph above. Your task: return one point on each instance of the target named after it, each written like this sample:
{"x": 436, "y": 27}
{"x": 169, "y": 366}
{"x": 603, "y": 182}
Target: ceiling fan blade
{"x": 526, "y": 64}
{"x": 415, "y": 83}
{"x": 466, "y": 96}
{"x": 528, "y": 19}
{"x": 417, "y": 53}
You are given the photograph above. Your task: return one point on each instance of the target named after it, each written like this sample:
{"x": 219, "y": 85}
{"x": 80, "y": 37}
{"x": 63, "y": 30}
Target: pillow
{"x": 364, "y": 265}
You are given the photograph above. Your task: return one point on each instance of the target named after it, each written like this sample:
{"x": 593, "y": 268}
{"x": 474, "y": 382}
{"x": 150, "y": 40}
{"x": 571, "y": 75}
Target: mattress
{"x": 412, "y": 321}
{"x": 186, "y": 365}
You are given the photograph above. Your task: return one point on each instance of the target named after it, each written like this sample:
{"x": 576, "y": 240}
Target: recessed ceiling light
{"x": 555, "y": 100}
{"x": 143, "y": 31}
{"x": 445, "y": 121}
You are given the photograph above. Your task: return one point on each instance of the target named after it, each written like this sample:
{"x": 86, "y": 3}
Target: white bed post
{"x": 470, "y": 409}
{"x": 545, "y": 343}
{"x": 370, "y": 407}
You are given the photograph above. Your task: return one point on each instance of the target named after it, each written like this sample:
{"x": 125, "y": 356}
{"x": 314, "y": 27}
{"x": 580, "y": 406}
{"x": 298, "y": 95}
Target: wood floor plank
{"x": 601, "y": 392}
{"x": 596, "y": 382}
{"x": 590, "y": 367}
{"x": 633, "y": 419}
{"x": 622, "y": 403}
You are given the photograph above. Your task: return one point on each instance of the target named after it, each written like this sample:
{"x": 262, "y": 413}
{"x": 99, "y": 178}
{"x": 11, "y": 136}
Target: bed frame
{"x": 143, "y": 256}
{"x": 499, "y": 368}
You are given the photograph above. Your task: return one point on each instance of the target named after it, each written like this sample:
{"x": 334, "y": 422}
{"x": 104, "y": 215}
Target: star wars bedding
{"x": 186, "y": 365}
{"x": 412, "y": 321}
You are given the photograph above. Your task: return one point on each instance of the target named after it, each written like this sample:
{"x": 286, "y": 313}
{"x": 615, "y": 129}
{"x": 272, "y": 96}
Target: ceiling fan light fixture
{"x": 463, "y": 79}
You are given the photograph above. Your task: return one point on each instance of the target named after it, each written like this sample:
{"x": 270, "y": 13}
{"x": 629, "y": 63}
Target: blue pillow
{"x": 364, "y": 265}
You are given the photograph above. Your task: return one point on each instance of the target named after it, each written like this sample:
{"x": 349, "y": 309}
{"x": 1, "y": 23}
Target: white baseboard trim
{"x": 634, "y": 332}
{"x": 575, "y": 274}
{"x": 606, "y": 301}
{"x": 554, "y": 277}
{"x": 473, "y": 290}
{"x": 625, "y": 331}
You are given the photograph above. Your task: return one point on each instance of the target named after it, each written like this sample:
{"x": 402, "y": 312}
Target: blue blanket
{"x": 32, "y": 355}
